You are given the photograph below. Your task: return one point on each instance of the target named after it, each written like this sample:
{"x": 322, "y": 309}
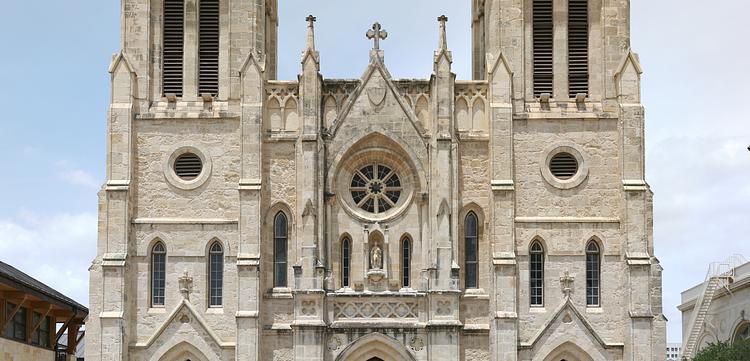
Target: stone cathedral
{"x": 502, "y": 218}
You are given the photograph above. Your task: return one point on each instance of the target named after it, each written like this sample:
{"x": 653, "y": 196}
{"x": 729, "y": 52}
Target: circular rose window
{"x": 375, "y": 188}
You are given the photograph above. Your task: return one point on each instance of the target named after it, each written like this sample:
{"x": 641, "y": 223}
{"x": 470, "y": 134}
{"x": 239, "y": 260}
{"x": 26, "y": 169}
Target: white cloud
{"x": 54, "y": 249}
{"x": 701, "y": 206}
{"x": 68, "y": 172}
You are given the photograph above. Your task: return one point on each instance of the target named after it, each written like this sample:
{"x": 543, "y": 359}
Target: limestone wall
{"x": 16, "y": 351}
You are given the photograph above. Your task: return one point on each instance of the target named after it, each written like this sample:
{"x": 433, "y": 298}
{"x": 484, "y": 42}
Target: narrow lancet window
{"x": 174, "y": 47}
{"x": 208, "y": 47}
{"x": 578, "y": 47}
{"x": 593, "y": 274}
{"x": 405, "y": 262}
{"x": 543, "y": 45}
{"x": 536, "y": 274}
{"x": 158, "y": 274}
{"x": 280, "y": 240}
{"x": 471, "y": 250}
{"x": 216, "y": 275}
{"x": 346, "y": 254}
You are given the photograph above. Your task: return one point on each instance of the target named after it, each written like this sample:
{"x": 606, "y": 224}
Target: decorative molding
{"x": 567, "y": 220}
{"x": 375, "y": 309}
{"x": 196, "y": 221}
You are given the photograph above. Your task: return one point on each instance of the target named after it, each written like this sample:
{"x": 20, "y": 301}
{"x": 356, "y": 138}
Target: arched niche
{"x": 375, "y": 346}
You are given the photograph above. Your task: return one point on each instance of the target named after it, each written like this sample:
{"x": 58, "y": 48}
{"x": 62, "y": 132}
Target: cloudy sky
{"x": 54, "y": 93}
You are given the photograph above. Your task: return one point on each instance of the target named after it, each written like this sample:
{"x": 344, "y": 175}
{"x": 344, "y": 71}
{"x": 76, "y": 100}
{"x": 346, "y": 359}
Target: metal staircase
{"x": 720, "y": 275}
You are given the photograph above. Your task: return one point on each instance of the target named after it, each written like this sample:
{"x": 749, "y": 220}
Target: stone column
{"x": 503, "y": 298}
{"x": 638, "y": 214}
{"x": 309, "y": 297}
{"x": 109, "y": 283}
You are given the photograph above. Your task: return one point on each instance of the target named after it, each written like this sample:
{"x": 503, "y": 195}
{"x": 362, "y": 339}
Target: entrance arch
{"x": 183, "y": 352}
{"x": 375, "y": 347}
{"x": 568, "y": 352}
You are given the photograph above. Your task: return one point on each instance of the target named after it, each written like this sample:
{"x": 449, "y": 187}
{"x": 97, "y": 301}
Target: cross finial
{"x": 443, "y": 42}
{"x": 377, "y": 33}
{"x": 567, "y": 283}
{"x": 311, "y": 32}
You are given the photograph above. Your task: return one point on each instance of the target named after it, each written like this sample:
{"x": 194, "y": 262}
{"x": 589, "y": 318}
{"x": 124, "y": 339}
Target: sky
{"x": 54, "y": 93}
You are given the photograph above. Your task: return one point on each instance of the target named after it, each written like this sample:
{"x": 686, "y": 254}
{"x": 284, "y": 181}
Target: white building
{"x": 674, "y": 351}
{"x": 505, "y": 217}
{"x": 717, "y": 310}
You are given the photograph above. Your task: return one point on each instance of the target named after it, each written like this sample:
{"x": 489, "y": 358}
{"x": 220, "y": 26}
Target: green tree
{"x": 724, "y": 351}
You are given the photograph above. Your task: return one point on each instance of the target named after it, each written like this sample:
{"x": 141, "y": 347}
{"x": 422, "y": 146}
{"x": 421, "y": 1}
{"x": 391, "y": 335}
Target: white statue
{"x": 376, "y": 258}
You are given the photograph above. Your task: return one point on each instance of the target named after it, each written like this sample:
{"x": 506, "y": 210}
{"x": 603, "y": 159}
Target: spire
{"x": 442, "y": 49}
{"x": 443, "y": 42}
{"x": 311, "y": 32}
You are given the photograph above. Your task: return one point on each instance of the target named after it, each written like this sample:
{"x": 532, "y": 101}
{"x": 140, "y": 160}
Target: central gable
{"x": 377, "y": 106}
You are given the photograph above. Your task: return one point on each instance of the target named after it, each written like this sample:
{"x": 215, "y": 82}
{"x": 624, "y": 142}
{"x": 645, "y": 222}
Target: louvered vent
{"x": 188, "y": 166}
{"x": 563, "y": 166}
{"x": 208, "y": 73}
{"x": 543, "y": 38}
{"x": 174, "y": 46}
{"x": 578, "y": 47}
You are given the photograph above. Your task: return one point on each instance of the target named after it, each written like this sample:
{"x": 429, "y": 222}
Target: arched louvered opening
{"x": 593, "y": 274}
{"x": 471, "y": 250}
{"x": 543, "y": 39}
{"x": 405, "y": 262}
{"x": 743, "y": 332}
{"x": 208, "y": 47}
{"x": 346, "y": 258}
{"x": 215, "y": 275}
{"x": 173, "y": 47}
{"x": 280, "y": 249}
{"x": 188, "y": 166}
{"x": 158, "y": 274}
{"x": 578, "y": 47}
{"x": 536, "y": 274}
{"x": 563, "y": 166}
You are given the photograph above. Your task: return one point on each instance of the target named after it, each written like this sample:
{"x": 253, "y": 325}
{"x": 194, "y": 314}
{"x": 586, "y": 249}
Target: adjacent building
{"x": 504, "y": 217}
{"x": 34, "y": 319}
{"x": 717, "y": 310}
{"x": 674, "y": 351}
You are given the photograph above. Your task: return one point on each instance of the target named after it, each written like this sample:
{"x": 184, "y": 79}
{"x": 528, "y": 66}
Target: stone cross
{"x": 377, "y": 33}
{"x": 443, "y": 42}
{"x": 567, "y": 283}
{"x": 186, "y": 285}
{"x": 310, "y": 20}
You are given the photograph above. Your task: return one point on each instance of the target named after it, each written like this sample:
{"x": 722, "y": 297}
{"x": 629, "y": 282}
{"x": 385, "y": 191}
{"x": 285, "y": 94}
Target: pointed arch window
{"x": 405, "y": 262}
{"x": 346, "y": 254}
{"x": 158, "y": 274}
{"x": 593, "y": 274}
{"x": 743, "y": 332}
{"x": 536, "y": 274}
{"x": 280, "y": 246}
{"x": 471, "y": 250}
{"x": 216, "y": 275}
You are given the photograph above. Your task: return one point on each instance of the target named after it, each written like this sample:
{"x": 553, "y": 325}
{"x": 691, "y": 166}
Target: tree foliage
{"x": 724, "y": 351}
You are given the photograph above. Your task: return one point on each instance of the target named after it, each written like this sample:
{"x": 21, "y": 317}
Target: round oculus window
{"x": 563, "y": 166}
{"x": 375, "y": 188}
{"x": 188, "y": 166}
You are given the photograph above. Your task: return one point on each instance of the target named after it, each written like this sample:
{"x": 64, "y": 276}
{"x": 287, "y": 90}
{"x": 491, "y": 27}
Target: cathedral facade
{"x": 501, "y": 218}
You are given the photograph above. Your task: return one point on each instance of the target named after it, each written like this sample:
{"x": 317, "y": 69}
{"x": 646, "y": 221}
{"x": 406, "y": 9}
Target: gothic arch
{"x": 394, "y": 144}
{"x": 375, "y": 345}
{"x": 569, "y": 352}
{"x": 181, "y": 352}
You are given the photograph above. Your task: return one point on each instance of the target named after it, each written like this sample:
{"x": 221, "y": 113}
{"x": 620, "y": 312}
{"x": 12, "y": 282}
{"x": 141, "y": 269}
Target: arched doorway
{"x": 375, "y": 347}
{"x": 182, "y": 352}
{"x": 568, "y": 352}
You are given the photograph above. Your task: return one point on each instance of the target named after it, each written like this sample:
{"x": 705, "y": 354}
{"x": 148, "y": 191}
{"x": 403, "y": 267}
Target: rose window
{"x": 376, "y": 188}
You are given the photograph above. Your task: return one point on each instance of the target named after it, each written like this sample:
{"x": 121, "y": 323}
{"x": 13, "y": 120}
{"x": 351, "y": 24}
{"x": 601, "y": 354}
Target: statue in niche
{"x": 376, "y": 257}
